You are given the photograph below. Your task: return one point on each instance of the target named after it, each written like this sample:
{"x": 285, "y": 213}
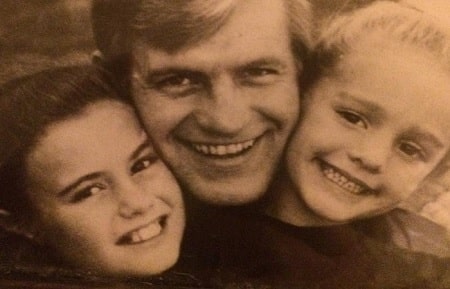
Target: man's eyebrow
{"x": 153, "y": 74}
{"x": 77, "y": 182}
{"x": 266, "y": 61}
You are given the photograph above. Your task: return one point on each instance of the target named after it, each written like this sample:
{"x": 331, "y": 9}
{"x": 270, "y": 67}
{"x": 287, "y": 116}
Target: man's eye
{"x": 353, "y": 118}
{"x": 412, "y": 150}
{"x": 175, "y": 81}
{"x": 177, "y": 84}
{"x": 87, "y": 192}
{"x": 143, "y": 163}
{"x": 259, "y": 75}
{"x": 260, "y": 72}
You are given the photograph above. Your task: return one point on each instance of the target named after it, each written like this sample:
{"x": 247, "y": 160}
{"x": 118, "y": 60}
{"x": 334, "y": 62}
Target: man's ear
{"x": 97, "y": 58}
{"x": 15, "y": 225}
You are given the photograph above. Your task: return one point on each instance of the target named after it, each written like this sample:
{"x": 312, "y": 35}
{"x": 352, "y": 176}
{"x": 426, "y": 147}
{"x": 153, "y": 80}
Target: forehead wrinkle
{"x": 226, "y": 34}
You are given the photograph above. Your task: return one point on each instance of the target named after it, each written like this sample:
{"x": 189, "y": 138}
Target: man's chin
{"x": 231, "y": 195}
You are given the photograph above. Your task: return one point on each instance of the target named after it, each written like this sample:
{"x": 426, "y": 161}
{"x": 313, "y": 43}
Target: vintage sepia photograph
{"x": 229, "y": 144}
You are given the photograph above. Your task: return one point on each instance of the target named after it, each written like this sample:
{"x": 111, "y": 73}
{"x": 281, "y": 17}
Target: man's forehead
{"x": 252, "y": 19}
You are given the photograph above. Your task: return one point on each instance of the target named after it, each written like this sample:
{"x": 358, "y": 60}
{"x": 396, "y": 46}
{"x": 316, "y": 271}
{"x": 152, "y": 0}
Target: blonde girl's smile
{"x": 344, "y": 180}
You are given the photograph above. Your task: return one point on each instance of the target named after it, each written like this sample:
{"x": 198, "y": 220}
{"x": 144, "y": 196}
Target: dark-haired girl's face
{"x": 104, "y": 200}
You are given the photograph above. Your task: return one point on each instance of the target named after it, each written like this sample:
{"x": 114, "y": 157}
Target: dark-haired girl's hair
{"x": 29, "y": 105}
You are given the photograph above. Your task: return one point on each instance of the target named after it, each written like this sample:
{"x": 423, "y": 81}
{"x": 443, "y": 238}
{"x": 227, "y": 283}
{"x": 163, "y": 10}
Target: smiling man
{"x": 215, "y": 84}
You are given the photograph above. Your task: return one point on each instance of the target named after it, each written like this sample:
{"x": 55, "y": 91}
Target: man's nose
{"x": 133, "y": 200}
{"x": 371, "y": 155}
{"x": 224, "y": 110}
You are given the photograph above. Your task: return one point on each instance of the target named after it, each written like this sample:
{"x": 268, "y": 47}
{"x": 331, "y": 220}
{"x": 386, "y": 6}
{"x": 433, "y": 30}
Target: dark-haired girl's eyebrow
{"x": 367, "y": 104}
{"x": 77, "y": 182}
{"x": 143, "y": 146}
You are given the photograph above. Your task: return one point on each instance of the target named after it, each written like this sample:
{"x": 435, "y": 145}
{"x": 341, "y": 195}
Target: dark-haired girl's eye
{"x": 143, "y": 163}
{"x": 87, "y": 192}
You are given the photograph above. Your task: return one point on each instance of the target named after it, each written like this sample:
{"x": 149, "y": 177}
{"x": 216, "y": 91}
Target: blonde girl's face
{"x": 371, "y": 131}
{"x": 103, "y": 198}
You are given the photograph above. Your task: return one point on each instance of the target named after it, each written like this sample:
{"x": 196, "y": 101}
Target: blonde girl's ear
{"x": 10, "y": 224}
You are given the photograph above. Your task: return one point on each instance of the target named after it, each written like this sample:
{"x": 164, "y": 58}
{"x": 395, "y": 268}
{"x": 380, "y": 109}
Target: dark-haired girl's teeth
{"x": 146, "y": 233}
{"x": 142, "y": 234}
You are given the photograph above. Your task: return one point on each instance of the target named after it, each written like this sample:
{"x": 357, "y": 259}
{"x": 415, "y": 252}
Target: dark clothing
{"x": 24, "y": 264}
{"x": 409, "y": 231}
{"x": 235, "y": 246}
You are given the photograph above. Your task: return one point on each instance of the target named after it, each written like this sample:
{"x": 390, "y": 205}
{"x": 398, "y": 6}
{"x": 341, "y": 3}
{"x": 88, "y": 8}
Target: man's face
{"x": 220, "y": 111}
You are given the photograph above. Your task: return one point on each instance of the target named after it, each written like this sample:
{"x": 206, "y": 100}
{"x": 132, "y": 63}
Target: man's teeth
{"x": 146, "y": 233}
{"x": 222, "y": 150}
{"x": 342, "y": 181}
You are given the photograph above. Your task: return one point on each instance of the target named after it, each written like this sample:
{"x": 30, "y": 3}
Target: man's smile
{"x": 224, "y": 150}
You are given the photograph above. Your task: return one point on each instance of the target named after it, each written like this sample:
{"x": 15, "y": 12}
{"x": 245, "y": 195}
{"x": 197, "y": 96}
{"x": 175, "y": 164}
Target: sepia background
{"x": 38, "y": 34}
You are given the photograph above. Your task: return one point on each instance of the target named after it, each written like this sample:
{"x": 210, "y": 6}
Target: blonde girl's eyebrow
{"x": 426, "y": 136}
{"x": 370, "y": 106}
{"x": 77, "y": 182}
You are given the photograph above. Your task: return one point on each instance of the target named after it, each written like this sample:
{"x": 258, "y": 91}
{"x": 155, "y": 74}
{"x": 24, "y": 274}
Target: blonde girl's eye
{"x": 143, "y": 163}
{"x": 412, "y": 150}
{"x": 87, "y": 192}
{"x": 353, "y": 118}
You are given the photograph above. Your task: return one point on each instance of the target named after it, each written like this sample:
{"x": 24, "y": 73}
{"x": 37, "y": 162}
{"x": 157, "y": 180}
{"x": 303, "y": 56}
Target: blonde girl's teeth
{"x": 342, "y": 181}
